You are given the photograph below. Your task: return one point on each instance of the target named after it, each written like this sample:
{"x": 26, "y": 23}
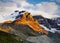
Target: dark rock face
{"x": 49, "y": 23}
{"x": 43, "y": 21}
{"x": 57, "y": 20}
{"x": 20, "y": 15}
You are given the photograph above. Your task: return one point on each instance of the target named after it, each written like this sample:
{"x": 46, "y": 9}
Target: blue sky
{"x": 39, "y": 1}
{"x": 46, "y": 8}
{"x": 34, "y": 1}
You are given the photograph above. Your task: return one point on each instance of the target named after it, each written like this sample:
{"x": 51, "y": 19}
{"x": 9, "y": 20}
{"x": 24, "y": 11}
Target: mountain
{"x": 49, "y": 23}
{"x": 25, "y": 28}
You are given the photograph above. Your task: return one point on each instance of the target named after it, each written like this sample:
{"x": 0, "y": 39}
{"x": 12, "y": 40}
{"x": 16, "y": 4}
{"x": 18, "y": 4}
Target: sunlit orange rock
{"x": 27, "y": 19}
{"x": 8, "y": 21}
{"x": 4, "y": 30}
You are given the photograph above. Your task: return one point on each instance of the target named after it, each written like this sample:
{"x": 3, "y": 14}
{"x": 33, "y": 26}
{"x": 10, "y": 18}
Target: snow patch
{"x": 53, "y": 30}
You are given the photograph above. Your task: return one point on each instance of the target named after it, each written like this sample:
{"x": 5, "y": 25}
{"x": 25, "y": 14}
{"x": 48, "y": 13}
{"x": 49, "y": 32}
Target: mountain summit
{"x": 24, "y": 26}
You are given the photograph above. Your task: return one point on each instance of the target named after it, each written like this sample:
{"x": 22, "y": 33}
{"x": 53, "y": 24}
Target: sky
{"x": 46, "y": 8}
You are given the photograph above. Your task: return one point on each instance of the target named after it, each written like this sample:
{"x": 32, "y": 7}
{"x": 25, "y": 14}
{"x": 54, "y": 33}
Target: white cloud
{"x": 47, "y": 9}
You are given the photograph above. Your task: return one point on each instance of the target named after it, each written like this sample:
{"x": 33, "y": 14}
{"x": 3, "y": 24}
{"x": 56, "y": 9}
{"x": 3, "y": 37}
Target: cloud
{"x": 58, "y": 12}
{"x": 2, "y": 19}
{"x": 46, "y": 9}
